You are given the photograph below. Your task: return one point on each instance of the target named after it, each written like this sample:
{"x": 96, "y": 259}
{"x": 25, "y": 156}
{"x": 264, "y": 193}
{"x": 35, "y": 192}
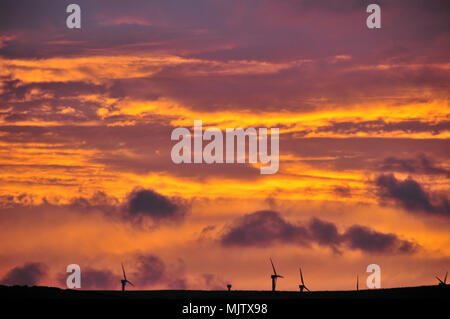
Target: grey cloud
{"x": 410, "y": 195}
{"x": 265, "y": 228}
{"x": 368, "y": 240}
{"x": 149, "y": 270}
{"x": 325, "y": 233}
{"x": 29, "y": 274}
{"x": 148, "y": 203}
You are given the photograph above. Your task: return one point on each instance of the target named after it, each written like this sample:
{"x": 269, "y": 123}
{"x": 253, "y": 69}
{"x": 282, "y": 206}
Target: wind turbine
{"x": 274, "y": 276}
{"x": 442, "y": 283}
{"x": 124, "y": 281}
{"x": 302, "y": 286}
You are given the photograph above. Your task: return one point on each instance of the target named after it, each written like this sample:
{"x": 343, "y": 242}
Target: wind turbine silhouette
{"x": 302, "y": 285}
{"x": 274, "y": 276}
{"x": 124, "y": 281}
{"x": 442, "y": 283}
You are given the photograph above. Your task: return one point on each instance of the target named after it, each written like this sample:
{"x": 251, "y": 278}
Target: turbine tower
{"x": 124, "y": 281}
{"x": 357, "y": 283}
{"x": 302, "y": 285}
{"x": 442, "y": 283}
{"x": 274, "y": 276}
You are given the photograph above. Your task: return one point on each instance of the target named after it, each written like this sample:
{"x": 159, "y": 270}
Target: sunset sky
{"x": 86, "y": 117}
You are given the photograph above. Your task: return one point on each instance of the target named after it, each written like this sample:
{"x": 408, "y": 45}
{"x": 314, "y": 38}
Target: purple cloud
{"x": 410, "y": 195}
{"x": 263, "y": 228}
{"x": 29, "y": 274}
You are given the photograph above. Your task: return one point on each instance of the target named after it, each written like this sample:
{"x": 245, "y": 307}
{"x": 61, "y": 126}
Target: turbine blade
{"x": 439, "y": 279}
{"x": 274, "y": 271}
{"x": 445, "y": 278}
{"x": 130, "y": 283}
{"x": 301, "y": 277}
{"x": 279, "y": 276}
{"x": 306, "y": 288}
{"x": 123, "y": 270}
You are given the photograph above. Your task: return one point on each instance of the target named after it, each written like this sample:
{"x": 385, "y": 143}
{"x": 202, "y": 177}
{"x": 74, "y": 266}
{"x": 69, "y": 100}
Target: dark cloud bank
{"x": 267, "y": 227}
{"x": 411, "y": 196}
{"x": 144, "y": 271}
{"x": 146, "y": 202}
{"x": 29, "y": 274}
{"x": 140, "y": 205}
